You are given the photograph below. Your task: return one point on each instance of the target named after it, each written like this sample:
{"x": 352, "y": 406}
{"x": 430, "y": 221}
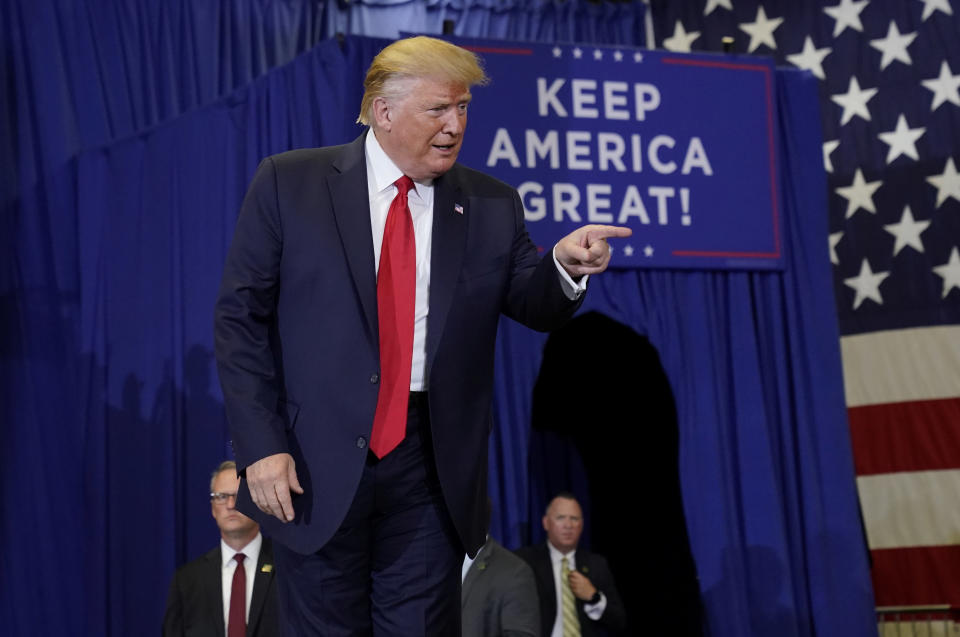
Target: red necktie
{"x": 396, "y": 294}
{"x": 237, "y": 620}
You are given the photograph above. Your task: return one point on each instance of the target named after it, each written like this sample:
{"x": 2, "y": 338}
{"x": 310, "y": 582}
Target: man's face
{"x": 422, "y": 131}
{"x": 563, "y": 524}
{"x": 232, "y": 523}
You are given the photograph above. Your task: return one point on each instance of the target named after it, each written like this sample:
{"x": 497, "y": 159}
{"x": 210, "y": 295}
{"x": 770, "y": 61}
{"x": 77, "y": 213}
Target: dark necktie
{"x": 237, "y": 619}
{"x": 396, "y": 295}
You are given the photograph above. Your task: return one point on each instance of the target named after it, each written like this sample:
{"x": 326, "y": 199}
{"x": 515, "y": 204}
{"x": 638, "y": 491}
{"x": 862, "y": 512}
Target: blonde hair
{"x": 413, "y": 58}
{"x": 226, "y": 465}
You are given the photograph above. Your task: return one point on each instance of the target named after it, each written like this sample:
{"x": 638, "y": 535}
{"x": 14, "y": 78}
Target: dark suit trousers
{"x": 393, "y": 566}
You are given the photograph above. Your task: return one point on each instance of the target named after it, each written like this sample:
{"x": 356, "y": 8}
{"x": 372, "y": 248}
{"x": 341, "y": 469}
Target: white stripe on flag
{"x": 901, "y": 365}
{"x": 915, "y": 508}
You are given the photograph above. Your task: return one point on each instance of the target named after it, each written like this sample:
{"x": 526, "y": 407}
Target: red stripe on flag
{"x": 921, "y": 435}
{"x": 917, "y": 575}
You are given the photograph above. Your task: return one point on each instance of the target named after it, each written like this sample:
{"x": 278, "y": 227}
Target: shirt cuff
{"x": 595, "y": 611}
{"x": 571, "y": 288}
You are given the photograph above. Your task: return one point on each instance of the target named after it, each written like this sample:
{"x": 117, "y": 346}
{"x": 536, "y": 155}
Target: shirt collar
{"x": 381, "y": 171}
{"x": 556, "y": 555}
{"x": 251, "y": 551}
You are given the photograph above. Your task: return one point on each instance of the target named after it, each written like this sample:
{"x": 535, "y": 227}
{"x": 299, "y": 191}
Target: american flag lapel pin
{"x": 458, "y": 208}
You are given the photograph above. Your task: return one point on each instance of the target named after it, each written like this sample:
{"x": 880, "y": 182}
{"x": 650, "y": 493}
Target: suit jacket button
{"x": 361, "y": 442}
{"x": 374, "y": 378}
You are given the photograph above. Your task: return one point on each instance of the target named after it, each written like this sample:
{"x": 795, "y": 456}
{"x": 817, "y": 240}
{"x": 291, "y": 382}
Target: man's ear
{"x": 382, "y": 114}
{"x": 544, "y": 522}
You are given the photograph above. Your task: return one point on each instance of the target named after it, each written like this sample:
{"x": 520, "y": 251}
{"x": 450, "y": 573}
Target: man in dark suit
{"x": 354, "y": 334}
{"x": 219, "y": 594}
{"x": 499, "y": 595}
{"x": 576, "y": 588}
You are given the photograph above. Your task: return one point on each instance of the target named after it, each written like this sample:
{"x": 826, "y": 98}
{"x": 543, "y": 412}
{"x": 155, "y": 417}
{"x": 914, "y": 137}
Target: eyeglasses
{"x": 221, "y": 498}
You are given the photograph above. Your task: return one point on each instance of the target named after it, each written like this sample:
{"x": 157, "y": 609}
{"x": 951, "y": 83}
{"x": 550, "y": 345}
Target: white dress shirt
{"x": 593, "y": 611}
{"x": 228, "y": 565}
{"x": 381, "y": 174}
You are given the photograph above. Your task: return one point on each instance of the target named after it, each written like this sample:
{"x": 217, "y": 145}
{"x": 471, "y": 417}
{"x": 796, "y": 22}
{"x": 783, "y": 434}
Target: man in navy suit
{"x": 354, "y": 335}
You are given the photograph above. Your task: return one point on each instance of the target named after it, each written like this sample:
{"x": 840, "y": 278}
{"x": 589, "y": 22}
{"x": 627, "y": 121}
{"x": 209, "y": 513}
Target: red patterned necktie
{"x": 396, "y": 295}
{"x": 237, "y": 620}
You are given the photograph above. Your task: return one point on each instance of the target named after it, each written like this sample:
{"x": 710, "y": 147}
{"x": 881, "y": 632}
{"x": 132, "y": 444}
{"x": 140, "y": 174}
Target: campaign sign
{"x": 678, "y": 147}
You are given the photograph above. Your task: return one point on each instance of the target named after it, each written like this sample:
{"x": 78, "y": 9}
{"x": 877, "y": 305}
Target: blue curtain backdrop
{"x": 122, "y": 200}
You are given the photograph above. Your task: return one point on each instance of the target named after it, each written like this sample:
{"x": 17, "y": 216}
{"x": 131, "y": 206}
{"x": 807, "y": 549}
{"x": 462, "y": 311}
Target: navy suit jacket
{"x": 296, "y": 334}
{"x": 593, "y": 566}
{"x": 195, "y": 601}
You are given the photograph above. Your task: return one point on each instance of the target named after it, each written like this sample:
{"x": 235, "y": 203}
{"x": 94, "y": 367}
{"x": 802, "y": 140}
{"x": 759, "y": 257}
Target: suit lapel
{"x": 261, "y": 585}
{"x": 450, "y": 217}
{"x": 351, "y": 208}
{"x": 477, "y": 570}
{"x": 215, "y": 589}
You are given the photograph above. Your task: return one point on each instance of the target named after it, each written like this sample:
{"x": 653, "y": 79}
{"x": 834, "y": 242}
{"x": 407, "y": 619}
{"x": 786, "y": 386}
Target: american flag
{"x": 889, "y": 76}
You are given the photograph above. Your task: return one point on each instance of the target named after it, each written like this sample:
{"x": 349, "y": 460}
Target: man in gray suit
{"x": 499, "y": 595}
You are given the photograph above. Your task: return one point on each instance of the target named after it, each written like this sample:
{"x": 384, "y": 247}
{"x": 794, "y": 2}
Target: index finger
{"x": 605, "y": 232}
{"x": 282, "y": 490}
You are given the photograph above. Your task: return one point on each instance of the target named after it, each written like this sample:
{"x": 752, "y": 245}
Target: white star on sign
{"x": 828, "y": 148}
{"x": 761, "y": 30}
{"x": 854, "y": 101}
{"x": 929, "y": 6}
{"x": 944, "y": 87}
{"x": 947, "y": 183}
{"x": 866, "y": 284}
{"x": 638, "y": 57}
{"x": 557, "y": 52}
{"x": 597, "y": 54}
{"x": 810, "y": 58}
{"x": 907, "y": 232}
{"x": 680, "y": 41}
{"x": 859, "y": 194}
{"x": 618, "y": 55}
{"x": 834, "y": 240}
{"x": 713, "y": 4}
{"x": 894, "y": 46}
{"x": 847, "y": 14}
{"x": 577, "y": 53}
{"x": 949, "y": 272}
{"x": 628, "y": 250}
{"x": 902, "y": 140}
{"x": 648, "y": 250}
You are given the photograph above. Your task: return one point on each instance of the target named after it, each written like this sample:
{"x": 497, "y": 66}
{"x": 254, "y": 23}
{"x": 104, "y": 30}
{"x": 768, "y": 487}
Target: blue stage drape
{"x": 122, "y": 201}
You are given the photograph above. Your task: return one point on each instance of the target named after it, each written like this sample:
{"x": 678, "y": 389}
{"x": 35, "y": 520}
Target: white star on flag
{"x": 854, "y": 101}
{"x": 761, "y": 30}
{"x": 894, "y": 46}
{"x": 902, "y": 140}
{"x": 907, "y": 232}
{"x": 859, "y": 194}
{"x": 557, "y": 52}
{"x": 947, "y": 183}
{"x": 847, "y": 14}
{"x": 828, "y": 148}
{"x": 929, "y": 6}
{"x": 810, "y": 58}
{"x": 866, "y": 284}
{"x": 949, "y": 272}
{"x": 577, "y": 53}
{"x": 618, "y": 55}
{"x": 713, "y": 4}
{"x": 628, "y": 250}
{"x": 945, "y": 87}
{"x": 648, "y": 250}
{"x": 638, "y": 56}
{"x": 597, "y": 54}
{"x": 834, "y": 239}
{"x": 680, "y": 41}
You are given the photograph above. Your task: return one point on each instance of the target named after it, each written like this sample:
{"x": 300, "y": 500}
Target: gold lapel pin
{"x": 266, "y": 568}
